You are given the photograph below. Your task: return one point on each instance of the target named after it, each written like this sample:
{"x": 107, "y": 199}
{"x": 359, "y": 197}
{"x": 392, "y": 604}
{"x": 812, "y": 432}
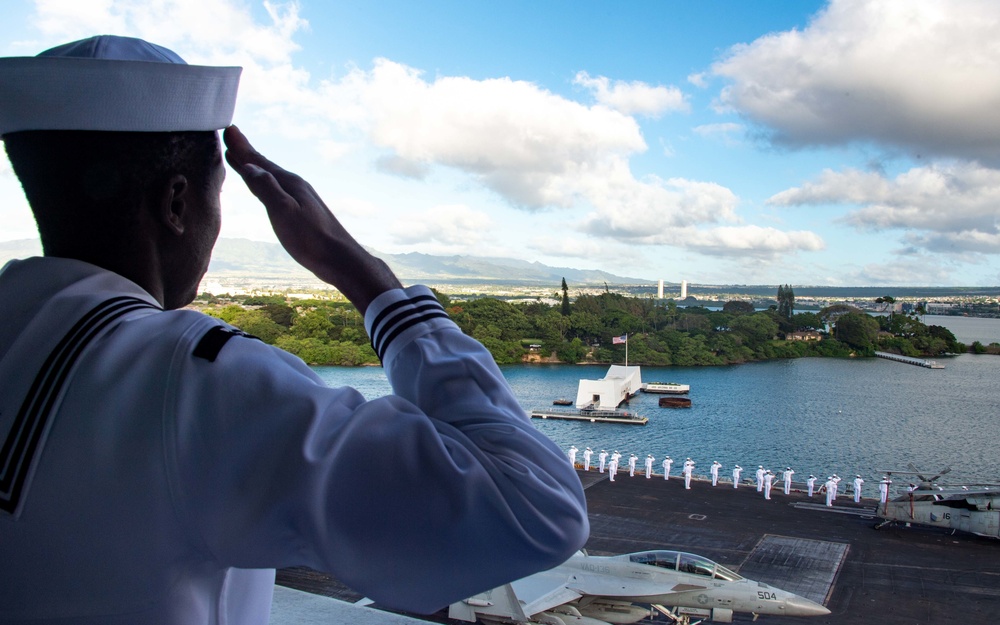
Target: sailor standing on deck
{"x": 649, "y": 466}
{"x": 831, "y": 491}
{"x": 768, "y": 480}
{"x": 632, "y": 459}
{"x": 716, "y": 465}
{"x": 572, "y": 454}
{"x": 760, "y": 478}
{"x": 736, "y": 476}
{"x": 836, "y": 485}
{"x": 667, "y": 463}
{"x": 688, "y": 469}
{"x": 811, "y": 484}
{"x": 857, "y": 488}
{"x": 613, "y": 466}
{"x": 602, "y": 458}
{"x": 587, "y": 453}
{"x": 787, "y": 475}
{"x": 883, "y": 489}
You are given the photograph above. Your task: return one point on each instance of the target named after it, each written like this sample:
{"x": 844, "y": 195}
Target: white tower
{"x": 684, "y": 289}
{"x": 659, "y": 290}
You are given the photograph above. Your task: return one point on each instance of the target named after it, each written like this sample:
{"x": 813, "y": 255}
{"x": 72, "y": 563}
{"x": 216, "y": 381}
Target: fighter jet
{"x": 596, "y": 590}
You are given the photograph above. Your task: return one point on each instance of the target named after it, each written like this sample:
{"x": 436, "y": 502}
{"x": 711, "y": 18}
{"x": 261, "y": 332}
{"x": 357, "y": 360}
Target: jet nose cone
{"x": 800, "y": 606}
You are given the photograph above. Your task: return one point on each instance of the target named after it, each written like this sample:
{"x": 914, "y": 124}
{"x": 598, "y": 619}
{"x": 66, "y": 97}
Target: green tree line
{"x": 659, "y": 333}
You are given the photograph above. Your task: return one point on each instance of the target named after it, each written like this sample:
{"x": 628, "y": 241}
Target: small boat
{"x": 671, "y": 388}
{"x": 675, "y": 402}
{"x": 562, "y": 402}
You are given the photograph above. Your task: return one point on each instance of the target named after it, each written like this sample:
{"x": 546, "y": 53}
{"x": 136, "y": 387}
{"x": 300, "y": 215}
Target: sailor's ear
{"x": 172, "y": 203}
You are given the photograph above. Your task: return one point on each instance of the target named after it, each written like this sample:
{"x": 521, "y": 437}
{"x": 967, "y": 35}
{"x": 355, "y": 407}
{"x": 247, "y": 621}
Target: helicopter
{"x": 973, "y": 508}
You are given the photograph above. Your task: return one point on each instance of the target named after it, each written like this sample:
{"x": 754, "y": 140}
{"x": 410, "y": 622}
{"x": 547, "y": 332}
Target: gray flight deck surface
{"x": 896, "y": 575}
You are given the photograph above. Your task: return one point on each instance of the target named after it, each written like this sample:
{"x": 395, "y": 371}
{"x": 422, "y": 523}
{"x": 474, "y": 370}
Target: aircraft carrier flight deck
{"x": 893, "y": 576}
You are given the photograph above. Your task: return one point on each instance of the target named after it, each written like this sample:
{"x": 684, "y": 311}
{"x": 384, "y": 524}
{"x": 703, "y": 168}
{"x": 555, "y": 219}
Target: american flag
{"x": 618, "y": 340}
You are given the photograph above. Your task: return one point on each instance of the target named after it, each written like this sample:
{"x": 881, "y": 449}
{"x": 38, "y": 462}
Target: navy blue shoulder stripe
{"x": 18, "y": 451}
{"x": 385, "y": 329}
{"x": 214, "y": 340}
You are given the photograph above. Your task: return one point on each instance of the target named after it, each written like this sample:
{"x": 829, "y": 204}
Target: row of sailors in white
{"x": 765, "y": 477}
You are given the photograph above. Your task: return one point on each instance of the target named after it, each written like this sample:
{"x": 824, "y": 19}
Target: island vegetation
{"x": 659, "y": 333}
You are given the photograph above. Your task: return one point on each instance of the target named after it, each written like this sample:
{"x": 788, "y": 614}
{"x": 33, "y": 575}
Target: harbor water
{"x": 817, "y": 415}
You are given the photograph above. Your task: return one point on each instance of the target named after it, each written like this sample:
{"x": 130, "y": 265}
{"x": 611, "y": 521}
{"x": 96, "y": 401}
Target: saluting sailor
{"x": 883, "y": 489}
{"x": 602, "y": 458}
{"x": 587, "y": 453}
{"x": 632, "y": 459}
{"x": 811, "y": 484}
{"x": 831, "y": 490}
{"x": 688, "y": 469}
{"x": 736, "y": 476}
{"x": 572, "y": 454}
{"x": 716, "y": 465}
{"x": 760, "y": 478}
{"x": 768, "y": 481}
{"x": 649, "y": 466}
{"x": 613, "y": 466}
{"x": 787, "y": 475}
{"x": 858, "y": 482}
{"x": 667, "y": 463}
{"x": 184, "y": 460}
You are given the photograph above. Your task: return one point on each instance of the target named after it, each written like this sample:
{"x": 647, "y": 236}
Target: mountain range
{"x": 242, "y": 258}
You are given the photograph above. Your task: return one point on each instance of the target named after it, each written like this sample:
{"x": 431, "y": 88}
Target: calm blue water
{"x": 817, "y": 415}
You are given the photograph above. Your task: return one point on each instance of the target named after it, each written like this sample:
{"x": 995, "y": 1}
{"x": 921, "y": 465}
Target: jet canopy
{"x": 685, "y": 563}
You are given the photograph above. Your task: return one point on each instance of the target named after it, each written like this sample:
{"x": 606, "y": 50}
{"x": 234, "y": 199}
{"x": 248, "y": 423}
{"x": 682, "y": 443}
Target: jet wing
{"x": 544, "y": 591}
{"x": 519, "y": 600}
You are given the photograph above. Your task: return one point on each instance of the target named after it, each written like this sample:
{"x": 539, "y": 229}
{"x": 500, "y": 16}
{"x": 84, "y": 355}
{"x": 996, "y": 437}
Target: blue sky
{"x": 850, "y": 142}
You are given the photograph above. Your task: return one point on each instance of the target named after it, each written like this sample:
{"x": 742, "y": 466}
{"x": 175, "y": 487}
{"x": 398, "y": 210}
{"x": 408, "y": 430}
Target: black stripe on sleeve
{"x": 409, "y": 322}
{"x": 388, "y": 310}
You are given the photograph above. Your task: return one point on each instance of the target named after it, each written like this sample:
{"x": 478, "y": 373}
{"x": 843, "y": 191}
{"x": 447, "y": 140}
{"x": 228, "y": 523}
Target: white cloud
{"x": 398, "y": 166}
{"x": 723, "y": 131}
{"x": 633, "y": 98}
{"x": 921, "y": 75}
{"x": 533, "y": 148}
{"x": 451, "y": 227}
{"x": 953, "y": 207}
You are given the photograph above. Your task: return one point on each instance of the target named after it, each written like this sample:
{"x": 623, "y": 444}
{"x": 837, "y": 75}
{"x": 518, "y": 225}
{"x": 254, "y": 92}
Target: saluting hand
{"x": 306, "y": 228}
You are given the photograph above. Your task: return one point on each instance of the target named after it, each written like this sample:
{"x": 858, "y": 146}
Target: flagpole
{"x": 626, "y": 349}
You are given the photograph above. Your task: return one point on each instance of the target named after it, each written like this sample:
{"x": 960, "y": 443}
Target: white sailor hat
{"x": 111, "y": 83}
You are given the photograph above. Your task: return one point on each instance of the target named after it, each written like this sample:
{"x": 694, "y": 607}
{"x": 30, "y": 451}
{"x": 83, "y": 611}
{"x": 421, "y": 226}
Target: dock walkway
{"x": 920, "y": 362}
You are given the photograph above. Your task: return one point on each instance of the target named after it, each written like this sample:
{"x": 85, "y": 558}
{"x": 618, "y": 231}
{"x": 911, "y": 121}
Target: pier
{"x": 593, "y": 416}
{"x": 920, "y": 362}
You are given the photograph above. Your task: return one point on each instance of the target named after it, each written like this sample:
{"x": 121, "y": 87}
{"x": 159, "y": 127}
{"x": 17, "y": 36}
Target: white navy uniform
{"x": 760, "y": 478}
{"x": 787, "y": 476}
{"x": 572, "y": 454}
{"x": 649, "y": 466}
{"x": 858, "y": 482}
{"x": 631, "y": 465}
{"x": 613, "y": 467}
{"x": 883, "y": 489}
{"x": 831, "y": 491}
{"x": 688, "y": 469}
{"x": 736, "y": 476}
{"x": 716, "y": 465}
{"x": 602, "y": 458}
{"x": 587, "y": 453}
{"x": 768, "y": 481}
{"x": 667, "y": 463}
{"x": 811, "y": 484}
{"x": 165, "y": 485}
